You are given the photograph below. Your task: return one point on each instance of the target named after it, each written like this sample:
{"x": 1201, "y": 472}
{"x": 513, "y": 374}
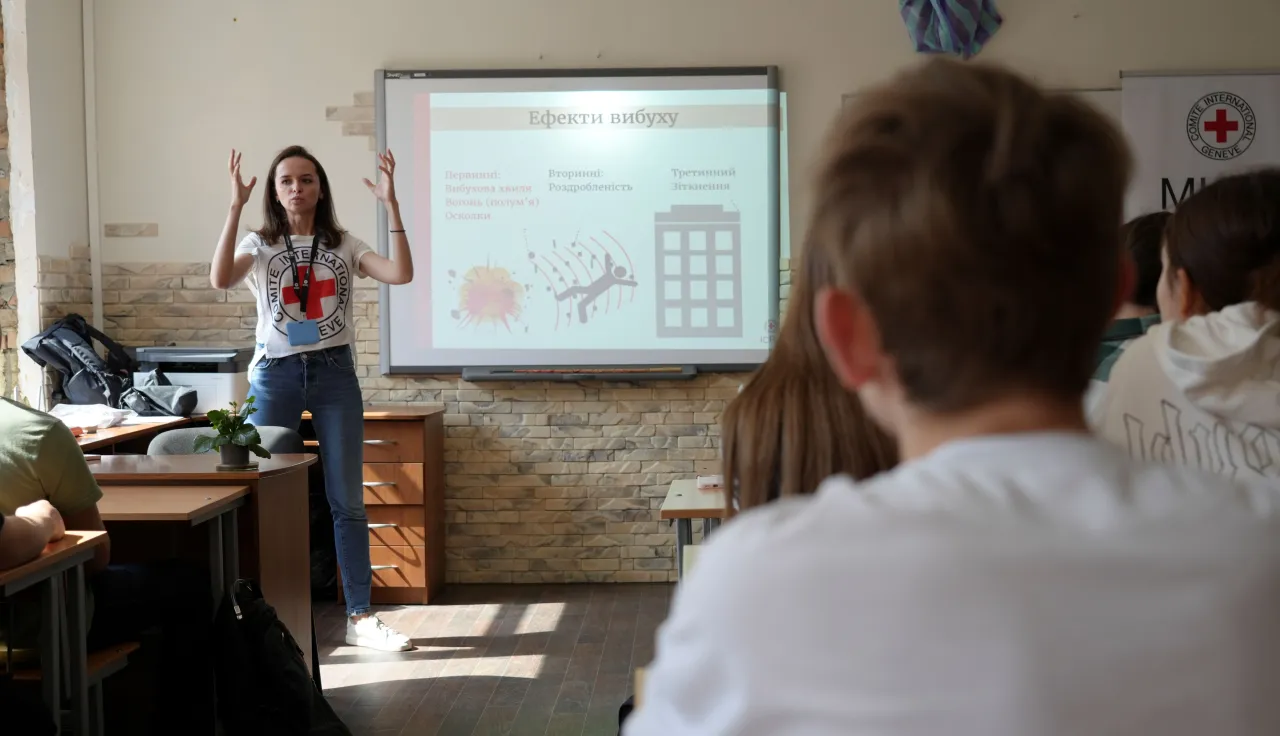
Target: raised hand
{"x": 239, "y": 190}
{"x": 385, "y": 189}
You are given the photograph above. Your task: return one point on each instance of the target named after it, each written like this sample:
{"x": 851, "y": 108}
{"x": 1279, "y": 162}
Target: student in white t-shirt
{"x": 301, "y": 267}
{"x": 1013, "y": 576}
{"x": 1203, "y": 388}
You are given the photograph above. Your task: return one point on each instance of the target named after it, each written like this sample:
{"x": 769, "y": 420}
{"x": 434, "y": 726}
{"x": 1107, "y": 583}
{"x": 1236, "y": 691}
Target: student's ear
{"x": 1190, "y": 302}
{"x": 849, "y": 336}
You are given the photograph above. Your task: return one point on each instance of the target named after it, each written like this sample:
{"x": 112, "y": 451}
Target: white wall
{"x": 179, "y": 83}
{"x": 55, "y": 64}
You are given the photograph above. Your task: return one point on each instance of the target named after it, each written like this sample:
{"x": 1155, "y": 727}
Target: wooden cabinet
{"x": 404, "y": 499}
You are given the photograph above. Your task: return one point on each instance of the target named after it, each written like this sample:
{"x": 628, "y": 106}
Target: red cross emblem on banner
{"x": 1220, "y": 125}
{"x": 319, "y": 290}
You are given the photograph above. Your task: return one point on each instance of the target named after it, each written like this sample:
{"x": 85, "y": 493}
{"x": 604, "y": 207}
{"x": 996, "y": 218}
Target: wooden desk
{"x": 639, "y": 694}
{"x": 67, "y": 554}
{"x": 274, "y": 539}
{"x": 194, "y": 505}
{"x": 134, "y": 437}
{"x": 187, "y": 469}
{"x": 683, "y": 504}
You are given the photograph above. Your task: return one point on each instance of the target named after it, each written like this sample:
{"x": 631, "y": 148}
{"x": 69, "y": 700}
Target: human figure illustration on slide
{"x": 582, "y": 272}
{"x": 613, "y": 275}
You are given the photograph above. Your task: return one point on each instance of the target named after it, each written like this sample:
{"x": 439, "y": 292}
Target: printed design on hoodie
{"x": 1213, "y": 446}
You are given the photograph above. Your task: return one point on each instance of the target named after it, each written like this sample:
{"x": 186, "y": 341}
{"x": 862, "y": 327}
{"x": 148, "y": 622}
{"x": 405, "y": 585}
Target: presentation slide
{"x": 585, "y": 221}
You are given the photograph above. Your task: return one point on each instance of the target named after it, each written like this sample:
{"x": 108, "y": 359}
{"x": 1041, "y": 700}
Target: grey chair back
{"x": 276, "y": 440}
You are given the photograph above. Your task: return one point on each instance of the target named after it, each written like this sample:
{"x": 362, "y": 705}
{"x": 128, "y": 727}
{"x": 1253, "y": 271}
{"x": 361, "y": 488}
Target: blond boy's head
{"x": 974, "y": 219}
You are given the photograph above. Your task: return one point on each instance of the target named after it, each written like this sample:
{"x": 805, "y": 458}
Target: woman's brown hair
{"x": 794, "y": 425}
{"x": 1143, "y": 236}
{"x": 275, "y": 223}
{"x": 1226, "y": 237}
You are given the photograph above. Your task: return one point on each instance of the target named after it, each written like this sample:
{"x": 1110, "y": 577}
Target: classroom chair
{"x": 101, "y": 664}
{"x": 276, "y": 440}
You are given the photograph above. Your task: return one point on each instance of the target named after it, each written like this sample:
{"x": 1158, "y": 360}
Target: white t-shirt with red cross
{"x": 271, "y": 281}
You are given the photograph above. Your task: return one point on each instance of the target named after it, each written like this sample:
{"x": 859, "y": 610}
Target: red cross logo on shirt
{"x": 1220, "y": 125}
{"x": 319, "y": 290}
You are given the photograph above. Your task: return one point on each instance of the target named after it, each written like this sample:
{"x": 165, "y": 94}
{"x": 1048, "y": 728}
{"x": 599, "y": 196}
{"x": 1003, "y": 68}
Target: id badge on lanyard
{"x": 303, "y": 331}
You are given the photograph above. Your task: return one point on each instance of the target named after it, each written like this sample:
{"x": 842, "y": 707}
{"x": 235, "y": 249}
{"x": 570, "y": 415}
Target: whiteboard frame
{"x": 380, "y": 77}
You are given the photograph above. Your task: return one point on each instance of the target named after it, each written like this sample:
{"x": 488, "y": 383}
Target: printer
{"x": 219, "y": 375}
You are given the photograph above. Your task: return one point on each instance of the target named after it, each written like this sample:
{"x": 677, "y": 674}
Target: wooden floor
{"x": 497, "y": 660}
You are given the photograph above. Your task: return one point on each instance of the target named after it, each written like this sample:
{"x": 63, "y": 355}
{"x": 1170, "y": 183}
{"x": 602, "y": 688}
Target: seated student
{"x": 1203, "y": 388}
{"x": 1143, "y": 239}
{"x": 23, "y": 536}
{"x": 1013, "y": 575}
{"x": 40, "y": 461}
{"x": 793, "y": 425}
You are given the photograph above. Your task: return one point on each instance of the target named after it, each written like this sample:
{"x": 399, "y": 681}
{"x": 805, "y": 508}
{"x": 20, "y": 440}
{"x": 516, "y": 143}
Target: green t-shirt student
{"x": 39, "y": 459}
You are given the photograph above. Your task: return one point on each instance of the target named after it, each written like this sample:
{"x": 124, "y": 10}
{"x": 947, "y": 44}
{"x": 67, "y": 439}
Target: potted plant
{"x": 235, "y": 437}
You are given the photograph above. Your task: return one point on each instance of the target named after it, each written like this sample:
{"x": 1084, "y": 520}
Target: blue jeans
{"x": 324, "y": 382}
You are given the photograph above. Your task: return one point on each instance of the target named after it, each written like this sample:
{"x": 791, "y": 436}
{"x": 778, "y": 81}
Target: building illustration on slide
{"x": 699, "y": 271}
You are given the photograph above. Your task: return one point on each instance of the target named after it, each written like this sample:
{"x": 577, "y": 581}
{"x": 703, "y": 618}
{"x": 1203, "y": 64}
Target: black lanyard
{"x": 305, "y": 290}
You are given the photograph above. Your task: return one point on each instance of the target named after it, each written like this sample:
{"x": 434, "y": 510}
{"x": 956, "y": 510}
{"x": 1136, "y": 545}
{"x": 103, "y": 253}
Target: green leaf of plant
{"x": 217, "y": 417}
{"x": 221, "y": 440}
{"x": 202, "y": 444}
{"x": 259, "y": 450}
{"x": 247, "y": 436}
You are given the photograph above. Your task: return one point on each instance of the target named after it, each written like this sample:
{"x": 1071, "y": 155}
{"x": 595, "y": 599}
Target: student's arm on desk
{"x": 71, "y": 488}
{"x": 24, "y": 535}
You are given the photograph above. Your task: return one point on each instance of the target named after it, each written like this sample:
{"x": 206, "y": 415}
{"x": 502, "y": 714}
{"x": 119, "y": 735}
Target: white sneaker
{"x": 372, "y": 633}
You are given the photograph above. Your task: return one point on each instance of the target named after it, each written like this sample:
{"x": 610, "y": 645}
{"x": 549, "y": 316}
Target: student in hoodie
{"x": 1013, "y": 574}
{"x": 1203, "y": 387}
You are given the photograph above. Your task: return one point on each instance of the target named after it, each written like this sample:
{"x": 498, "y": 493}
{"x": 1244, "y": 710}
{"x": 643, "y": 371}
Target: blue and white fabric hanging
{"x": 959, "y": 27}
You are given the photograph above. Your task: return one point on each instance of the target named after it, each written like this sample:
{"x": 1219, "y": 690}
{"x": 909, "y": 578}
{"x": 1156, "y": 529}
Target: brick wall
{"x": 545, "y": 482}
{"x": 65, "y": 286}
{"x": 8, "y": 289}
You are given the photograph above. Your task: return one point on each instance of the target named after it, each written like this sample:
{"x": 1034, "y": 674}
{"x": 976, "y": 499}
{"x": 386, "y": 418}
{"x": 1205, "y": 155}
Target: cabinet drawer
{"x": 398, "y": 567}
{"x": 395, "y": 526}
{"x": 393, "y": 442}
{"x": 392, "y": 483}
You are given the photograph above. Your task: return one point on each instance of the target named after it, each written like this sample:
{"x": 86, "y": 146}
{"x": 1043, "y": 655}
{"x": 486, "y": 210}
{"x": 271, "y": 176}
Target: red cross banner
{"x": 1188, "y": 129}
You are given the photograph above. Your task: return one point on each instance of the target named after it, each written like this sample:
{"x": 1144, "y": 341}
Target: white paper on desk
{"x": 91, "y": 415}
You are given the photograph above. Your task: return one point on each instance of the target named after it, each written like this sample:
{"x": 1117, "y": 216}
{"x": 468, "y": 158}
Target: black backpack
{"x": 264, "y": 688}
{"x": 67, "y": 347}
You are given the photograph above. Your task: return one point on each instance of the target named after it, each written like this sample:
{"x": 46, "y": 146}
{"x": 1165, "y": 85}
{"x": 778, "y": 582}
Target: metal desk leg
{"x": 97, "y": 719}
{"x": 50, "y": 657}
{"x": 216, "y": 557}
{"x": 684, "y": 535}
{"x": 230, "y": 551}
{"x": 77, "y": 649}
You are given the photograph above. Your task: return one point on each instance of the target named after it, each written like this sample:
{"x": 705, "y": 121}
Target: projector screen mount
{"x": 580, "y": 224}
